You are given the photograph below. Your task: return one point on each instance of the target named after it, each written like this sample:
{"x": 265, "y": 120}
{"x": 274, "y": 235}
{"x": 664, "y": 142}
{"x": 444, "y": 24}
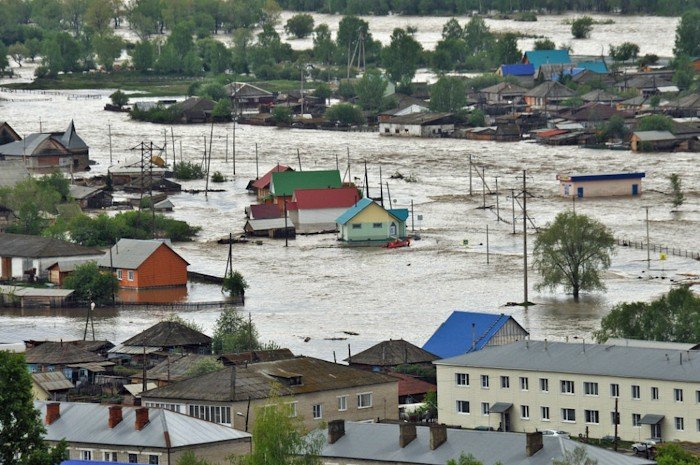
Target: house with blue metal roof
{"x": 369, "y": 222}
{"x": 465, "y": 332}
{"x": 546, "y": 57}
{"x": 601, "y": 185}
{"x": 519, "y": 69}
{"x": 597, "y": 66}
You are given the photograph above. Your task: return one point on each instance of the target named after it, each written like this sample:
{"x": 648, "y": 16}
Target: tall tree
{"x": 581, "y": 27}
{"x": 143, "y": 55}
{"x": 572, "y": 251}
{"x": 300, "y": 25}
{"x": 506, "y": 50}
{"x": 233, "y": 333}
{"x": 324, "y": 47}
{"x": 370, "y": 89}
{"x": 477, "y": 35}
{"x": 92, "y": 284}
{"x": 401, "y": 57}
{"x": 676, "y": 190}
{"x": 108, "y": 48}
{"x": 449, "y": 93}
{"x": 688, "y": 34}
{"x": 624, "y": 52}
{"x": 452, "y": 30}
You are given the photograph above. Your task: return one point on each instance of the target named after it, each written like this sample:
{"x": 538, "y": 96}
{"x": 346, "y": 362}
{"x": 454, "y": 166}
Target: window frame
{"x": 615, "y": 390}
{"x": 120, "y": 275}
{"x": 505, "y": 382}
{"x": 153, "y": 459}
{"x": 524, "y": 412}
{"x": 590, "y": 388}
{"x": 361, "y": 405}
{"x": 589, "y": 417}
{"x": 485, "y": 409}
{"x": 462, "y": 379}
{"x": 130, "y": 275}
{"x": 485, "y": 382}
{"x": 636, "y": 389}
{"x": 545, "y": 413}
{"x": 544, "y": 384}
{"x": 342, "y": 403}
{"x": 319, "y": 415}
{"x": 568, "y": 387}
{"x": 678, "y": 395}
{"x": 654, "y": 393}
{"x": 460, "y": 404}
{"x": 679, "y": 423}
{"x": 565, "y": 417}
{"x": 524, "y": 383}
{"x": 636, "y": 420}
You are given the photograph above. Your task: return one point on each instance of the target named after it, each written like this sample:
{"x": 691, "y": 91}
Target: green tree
{"x": 22, "y": 429}
{"x": 233, "y": 333}
{"x": 60, "y": 53}
{"x": 688, "y": 34}
{"x": 91, "y": 284}
{"x": 477, "y": 118}
{"x": 345, "y": 113}
{"x": 214, "y": 91}
{"x": 215, "y": 56}
{"x": 33, "y": 48}
{"x": 685, "y": 74}
{"x": 324, "y": 48}
{"x": 18, "y": 52}
{"x": 464, "y": 459}
{"x": 452, "y": 30}
{"x": 222, "y": 110}
{"x": 346, "y": 89}
{"x": 282, "y": 116}
{"x": 143, "y": 55}
{"x": 648, "y": 60}
{"x": 506, "y": 50}
{"x": 202, "y": 367}
{"x": 675, "y": 454}
{"x": 624, "y": 52}
{"x": 350, "y": 30}
{"x": 676, "y": 190}
{"x": 477, "y": 36}
{"x": 572, "y": 251}
{"x": 581, "y": 27}
{"x": 300, "y": 25}
{"x": 615, "y": 128}
{"x": 31, "y": 199}
{"x": 578, "y": 456}
{"x": 188, "y": 458}
{"x": 370, "y": 89}
{"x": 449, "y": 93}
{"x": 545, "y": 44}
{"x": 655, "y": 123}
{"x": 119, "y": 98}
{"x": 322, "y": 91}
{"x": 401, "y": 57}
{"x": 108, "y": 48}
{"x": 98, "y": 15}
{"x": 235, "y": 283}
{"x": 4, "y": 62}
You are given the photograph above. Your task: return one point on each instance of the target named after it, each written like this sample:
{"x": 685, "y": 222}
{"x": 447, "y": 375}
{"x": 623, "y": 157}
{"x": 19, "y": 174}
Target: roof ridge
{"x": 483, "y": 335}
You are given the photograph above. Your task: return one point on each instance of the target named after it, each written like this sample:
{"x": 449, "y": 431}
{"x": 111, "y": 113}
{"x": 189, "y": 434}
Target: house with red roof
{"x": 261, "y": 186}
{"x": 315, "y": 210}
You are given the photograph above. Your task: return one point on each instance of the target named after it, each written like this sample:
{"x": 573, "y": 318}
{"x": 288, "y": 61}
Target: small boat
{"x": 396, "y": 243}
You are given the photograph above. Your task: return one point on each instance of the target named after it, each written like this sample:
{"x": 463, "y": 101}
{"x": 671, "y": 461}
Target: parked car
{"x": 643, "y": 446}
{"x": 554, "y": 432}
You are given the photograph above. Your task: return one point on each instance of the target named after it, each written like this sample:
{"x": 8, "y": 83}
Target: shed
{"x": 167, "y": 336}
{"x": 51, "y": 385}
{"x": 91, "y": 196}
{"x": 653, "y": 141}
{"x": 62, "y": 268}
{"x": 164, "y": 206}
{"x": 272, "y": 227}
{"x": 7, "y": 134}
{"x": 264, "y": 212}
{"x": 503, "y": 92}
{"x": 517, "y": 70}
{"x": 423, "y": 124}
{"x": 507, "y": 133}
{"x": 600, "y": 185}
{"x": 197, "y": 110}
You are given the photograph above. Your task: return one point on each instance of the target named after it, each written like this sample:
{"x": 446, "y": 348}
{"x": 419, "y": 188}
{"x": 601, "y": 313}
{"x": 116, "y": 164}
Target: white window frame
{"x": 484, "y": 381}
{"x": 485, "y": 409}
{"x": 86, "y": 454}
{"x": 590, "y": 388}
{"x": 568, "y": 387}
{"x": 109, "y": 456}
{"x": 544, "y": 413}
{"x": 505, "y": 382}
{"x": 636, "y": 389}
{"x": 342, "y": 403}
{"x": 361, "y": 405}
{"x": 524, "y": 383}
{"x": 614, "y": 390}
{"x": 636, "y": 420}
{"x": 524, "y": 412}
{"x": 544, "y": 384}
{"x": 462, "y": 379}
{"x": 678, "y": 395}
{"x": 697, "y": 424}
{"x": 317, "y": 411}
{"x": 459, "y": 406}
{"x": 294, "y": 409}
{"x": 592, "y": 417}
{"x": 654, "y": 393}
{"x": 120, "y": 275}
{"x": 565, "y": 416}
{"x": 130, "y": 275}
{"x": 679, "y": 423}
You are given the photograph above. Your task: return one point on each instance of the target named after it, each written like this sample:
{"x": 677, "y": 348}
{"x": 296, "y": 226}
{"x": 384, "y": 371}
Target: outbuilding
{"x": 600, "y": 185}
{"x": 367, "y": 222}
{"x": 422, "y": 124}
{"x": 315, "y": 210}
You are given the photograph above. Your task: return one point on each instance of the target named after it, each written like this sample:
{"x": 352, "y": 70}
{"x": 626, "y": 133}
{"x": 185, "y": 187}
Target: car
{"x": 554, "y": 432}
{"x": 609, "y": 438}
{"x": 483, "y": 428}
{"x": 643, "y": 446}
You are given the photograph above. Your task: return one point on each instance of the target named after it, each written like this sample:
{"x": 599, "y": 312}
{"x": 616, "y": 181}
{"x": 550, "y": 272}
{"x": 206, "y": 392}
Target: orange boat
{"x": 396, "y": 243}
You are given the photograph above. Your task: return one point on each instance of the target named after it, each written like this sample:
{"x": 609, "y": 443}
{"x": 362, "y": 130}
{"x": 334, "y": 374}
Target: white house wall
{"x": 317, "y": 220}
{"x": 610, "y": 188}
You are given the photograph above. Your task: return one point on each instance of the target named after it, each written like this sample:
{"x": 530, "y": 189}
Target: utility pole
{"x": 172, "y": 139}
{"x": 109, "y": 129}
{"x": 525, "y": 302}
{"x": 257, "y": 171}
{"x": 483, "y": 186}
{"x": 470, "y": 175}
{"x": 299, "y": 159}
{"x": 226, "y": 151}
{"x": 234, "y": 144}
{"x": 648, "y": 252}
{"x": 498, "y": 211}
{"x": 487, "y": 244}
{"x": 286, "y": 231}
{"x": 512, "y": 198}
{"x": 413, "y": 228}
{"x": 617, "y": 421}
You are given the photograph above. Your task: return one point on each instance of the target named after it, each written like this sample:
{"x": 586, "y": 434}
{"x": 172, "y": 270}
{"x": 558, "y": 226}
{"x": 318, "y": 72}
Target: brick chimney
{"x": 438, "y": 435}
{"x": 336, "y": 430}
{"x": 141, "y": 418}
{"x": 53, "y": 412}
{"x": 407, "y": 433}
{"x": 115, "y": 415}
{"x": 533, "y": 443}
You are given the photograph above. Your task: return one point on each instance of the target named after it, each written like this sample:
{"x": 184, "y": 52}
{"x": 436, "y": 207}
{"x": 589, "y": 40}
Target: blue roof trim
{"x": 547, "y": 57}
{"x": 400, "y": 214}
{"x": 353, "y": 211}
{"x": 525, "y": 69}
{"x": 606, "y": 177}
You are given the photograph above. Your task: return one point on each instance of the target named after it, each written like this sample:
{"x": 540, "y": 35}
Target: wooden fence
{"x": 677, "y": 252}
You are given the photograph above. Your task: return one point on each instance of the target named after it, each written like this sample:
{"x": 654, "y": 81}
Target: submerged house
{"x": 367, "y": 222}
{"x": 548, "y": 93}
{"x": 423, "y": 124}
{"x": 7, "y": 134}
{"x": 600, "y": 185}
{"x": 653, "y": 141}
{"x": 246, "y": 96}
{"x": 283, "y": 184}
{"x": 261, "y": 186}
{"x": 91, "y": 197}
{"x": 315, "y": 210}
{"x": 388, "y": 355}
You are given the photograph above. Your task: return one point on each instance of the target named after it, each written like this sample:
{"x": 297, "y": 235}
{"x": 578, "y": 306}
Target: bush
{"x": 527, "y": 16}
{"x": 160, "y": 114}
{"x": 91, "y": 284}
{"x": 222, "y": 110}
{"x": 345, "y": 113}
{"x": 282, "y": 116}
{"x": 581, "y": 27}
{"x": 477, "y": 118}
{"x": 187, "y": 171}
{"x": 119, "y": 99}
{"x": 235, "y": 283}
{"x": 300, "y": 25}
{"x": 217, "y": 176}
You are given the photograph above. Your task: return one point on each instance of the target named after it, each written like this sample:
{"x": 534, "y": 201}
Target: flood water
{"x": 317, "y": 289}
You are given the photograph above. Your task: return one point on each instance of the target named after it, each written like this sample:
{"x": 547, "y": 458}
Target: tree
{"x": 615, "y": 128}
{"x": 688, "y": 34}
{"x": 188, "y": 458}
{"x": 578, "y": 456}
{"x": 477, "y": 118}
{"x": 282, "y": 115}
{"x": 119, "y": 98}
{"x": 91, "y": 284}
{"x": 581, "y": 27}
{"x": 108, "y": 48}
{"x": 676, "y": 190}
{"x": 572, "y": 251}
{"x": 98, "y": 15}
{"x": 544, "y": 44}
{"x": 655, "y": 123}
{"x": 477, "y": 36}
{"x": 31, "y": 199}
{"x": 233, "y": 333}
{"x": 4, "y": 62}
{"x": 324, "y": 47}
{"x": 322, "y": 91}
{"x": 684, "y": 74}
{"x": 370, "y": 89}
{"x": 506, "y": 50}
{"x": 235, "y": 283}
{"x": 624, "y": 52}
{"x": 222, "y": 110}
{"x": 674, "y": 317}
{"x": 449, "y": 93}
{"x": 204, "y": 366}
{"x": 22, "y": 429}
{"x": 648, "y": 60}
{"x": 345, "y": 113}
{"x": 215, "y": 56}
{"x": 401, "y": 57}
{"x": 33, "y": 48}
{"x": 452, "y": 30}
{"x": 675, "y": 454}
{"x": 463, "y": 459}
{"x": 143, "y": 55}
{"x": 300, "y": 25}
{"x": 18, "y": 52}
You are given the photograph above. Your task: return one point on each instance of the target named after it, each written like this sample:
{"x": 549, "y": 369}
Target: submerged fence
{"x": 677, "y": 252}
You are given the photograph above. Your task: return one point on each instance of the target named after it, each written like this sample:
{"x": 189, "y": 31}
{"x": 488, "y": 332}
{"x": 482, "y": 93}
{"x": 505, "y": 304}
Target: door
{"x": 635, "y": 189}
{"x": 506, "y": 422}
{"x": 656, "y": 430}
{"x": 392, "y": 230}
{"x": 579, "y": 192}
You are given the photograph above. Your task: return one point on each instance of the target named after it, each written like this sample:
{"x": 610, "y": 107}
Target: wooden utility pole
{"x": 257, "y": 170}
{"x": 483, "y": 186}
{"x": 172, "y": 139}
{"x": 299, "y": 159}
{"x": 487, "y": 244}
{"x": 233, "y": 154}
{"x": 109, "y": 129}
{"x": 648, "y": 252}
{"x": 525, "y": 302}
{"x": 413, "y": 229}
{"x": 470, "y": 175}
{"x": 512, "y": 198}
{"x": 498, "y": 211}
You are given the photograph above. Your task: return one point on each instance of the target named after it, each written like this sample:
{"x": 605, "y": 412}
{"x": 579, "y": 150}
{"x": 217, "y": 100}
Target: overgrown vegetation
{"x": 677, "y": 196}
{"x": 91, "y": 284}
{"x": 187, "y": 171}
{"x": 218, "y": 177}
{"x": 233, "y": 333}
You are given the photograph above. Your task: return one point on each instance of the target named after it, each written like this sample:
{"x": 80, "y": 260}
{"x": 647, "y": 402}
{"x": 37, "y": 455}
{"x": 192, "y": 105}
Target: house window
{"x": 680, "y": 426}
{"x": 364, "y": 400}
{"x": 525, "y": 412}
{"x": 463, "y": 406}
{"x": 386, "y": 130}
{"x": 614, "y": 418}
{"x": 505, "y": 382}
{"x": 485, "y": 409}
{"x": 292, "y": 409}
{"x": 636, "y": 419}
{"x": 462, "y": 379}
{"x": 342, "y": 403}
{"x": 357, "y": 226}
{"x": 133, "y": 458}
{"x": 485, "y": 381}
{"x": 544, "y": 413}
{"x": 317, "y": 411}
{"x": 614, "y": 390}
{"x": 590, "y": 389}
{"x": 85, "y": 455}
{"x": 567, "y": 387}
{"x": 568, "y": 414}
{"x": 654, "y": 393}
{"x": 697, "y": 424}
{"x": 697, "y": 396}
{"x": 636, "y": 393}
{"x": 544, "y": 384}
{"x": 678, "y": 395}
{"x": 212, "y": 413}
{"x": 524, "y": 383}
{"x": 120, "y": 275}
{"x": 153, "y": 460}
{"x": 110, "y": 456}
{"x": 130, "y": 275}
{"x": 592, "y": 416}
{"x": 376, "y": 225}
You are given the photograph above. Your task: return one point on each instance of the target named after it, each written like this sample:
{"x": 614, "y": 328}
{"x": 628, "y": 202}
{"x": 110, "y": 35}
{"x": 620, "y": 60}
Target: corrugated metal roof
{"x": 504, "y": 88}
{"x": 59, "y": 353}
{"x": 137, "y": 388}
{"x": 264, "y": 212}
{"x": 175, "y": 367}
{"x": 541, "y": 57}
{"x": 311, "y": 199}
{"x": 21, "y": 245}
{"x": 52, "y": 381}
{"x": 168, "y": 334}
{"x": 586, "y": 359}
{"x": 652, "y": 136}
{"x": 652, "y": 344}
{"x": 286, "y": 182}
{"x": 264, "y": 182}
{"x": 600, "y": 177}
{"x": 81, "y": 192}
{"x": 20, "y": 291}
{"x": 596, "y": 66}
{"x": 131, "y": 253}
{"x": 550, "y": 89}
{"x": 71, "y": 265}
{"x": 523, "y": 69}
{"x": 267, "y": 224}
{"x": 420, "y": 118}
{"x": 133, "y": 350}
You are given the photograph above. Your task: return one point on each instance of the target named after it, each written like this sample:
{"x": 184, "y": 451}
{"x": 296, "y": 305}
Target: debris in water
{"x": 351, "y": 333}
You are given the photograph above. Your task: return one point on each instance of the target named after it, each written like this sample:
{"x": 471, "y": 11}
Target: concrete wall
{"x": 611, "y": 188}
{"x": 415, "y": 130}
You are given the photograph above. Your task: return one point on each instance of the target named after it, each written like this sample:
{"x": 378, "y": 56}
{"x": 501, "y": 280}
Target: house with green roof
{"x": 367, "y": 222}
{"x": 284, "y": 183}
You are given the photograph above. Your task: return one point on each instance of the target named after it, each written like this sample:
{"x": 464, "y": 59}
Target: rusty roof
{"x": 168, "y": 334}
{"x": 255, "y": 381}
{"x": 60, "y": 353}
{"x": 391, "y": 353}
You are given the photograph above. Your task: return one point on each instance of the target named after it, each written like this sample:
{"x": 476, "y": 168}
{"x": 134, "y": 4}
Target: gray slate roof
{"x": 12, "y": 172}
{"x": 79, "y": 192}
{"x": 392, "y": 353}
{"x": 87, "y": 423}
{"x": 51, "y": 381}
{"x": 129, "y": 254}
{"x": 596, "y": 360}
{"x": 68, "y": 139}
{"x": 22, "y": 245}
{"x": 650, "y": 136}
{"x": 175, "y": 368}
{"x": 380, "y": 442}
{"x": 550, "y": 89}
{"x": 168, "y": 334}
{"x": 59, "y": 353}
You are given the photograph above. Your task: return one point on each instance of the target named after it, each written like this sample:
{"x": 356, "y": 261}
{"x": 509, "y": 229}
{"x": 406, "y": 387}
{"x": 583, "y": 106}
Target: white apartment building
{"x": 531, "y": 386}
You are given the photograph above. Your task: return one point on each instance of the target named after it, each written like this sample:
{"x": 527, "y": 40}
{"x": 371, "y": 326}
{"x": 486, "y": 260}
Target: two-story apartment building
{"x": 576, "y": 387}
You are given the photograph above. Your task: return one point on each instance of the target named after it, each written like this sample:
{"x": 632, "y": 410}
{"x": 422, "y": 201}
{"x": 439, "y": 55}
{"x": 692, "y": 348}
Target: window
{"x": 636, "y": 393}
{"x": 357, "y": 226}
{"x": 544, "y": 413}
{"x": 133, "y": 458}
{"x": 614, "y": 418}
{"x": 85, "y": 455}
{"x": 214, "y": 413}
{"x": 697, "y": 396}
{"x": 592, "y": 416}
{"x": 567, "y": 387}
{"x": 544, "y": 384}
{"x": 153, "y": 459}
{"x": 505, "y": 382}
{"x": 525, "y": 412}
{"x": 614, "y": 390}
{"x": 654, "y": 393}
{"x": 485, "y": 381}
{"x": 524, "y": 383}
{"x": 293, "y": 409}
{"x": 120, "y": 275}
{"x": 697, "y": 424}
{"x": 376, "y": 225}
{"x": 568, "y": 414}
{"x": 590, "y": 389}
{"x": 462, "y": 379}
{"x": 463, "y": 406}
{"x": 110, "y": 456}
{"x": 636, "y": 419}
{"x": 342, "y": 403}
{"x": 485, "y": 409}
{"x": 679, "y": 423}
{"x": 172, "y": 407}
{"x": 364, "y": 400}
{"x": 130, "y": 275}
{"x": 317, "y": 411}
{"x": 678, "y": 395}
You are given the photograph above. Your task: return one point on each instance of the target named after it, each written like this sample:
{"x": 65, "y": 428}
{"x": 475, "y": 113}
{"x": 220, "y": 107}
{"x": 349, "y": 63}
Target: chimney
{"x": 115, "y": 415}
{"x": 141, "y": 418}
{"x": 473, "y": 336}
{"x": 407, "y": 433}
{"x": 336, "y": 430}
{"x": 533, "y": 443}
{"x": 53, "y": 412}
{"x": 438, "y": 435}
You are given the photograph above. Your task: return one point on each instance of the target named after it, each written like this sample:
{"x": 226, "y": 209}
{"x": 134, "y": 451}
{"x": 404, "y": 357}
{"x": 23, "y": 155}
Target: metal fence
{"x": 677, "y": 252}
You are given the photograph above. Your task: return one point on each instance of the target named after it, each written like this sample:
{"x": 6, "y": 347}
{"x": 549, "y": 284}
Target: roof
{"x": 198, "y": 104}
{"x": 595, "y": 111}
{"x": 551, "y": 89}
{"x": 25, "y": 246}
{"x": 599, "y": 95}
{"x": 51, "y": 381}
{"x": 600, "y": 177}
{"x": 82, "y": 192}
{"x": 542, "y": 57}
{"x": 464, "y": 332}
{"x": 20, "y": 291}
{"x": 596, "y": 66}
{"x": 408, "y": 385}
{"x": 131, "y": 253}
{"x": 134, "y": 350}
{"x": 651, "y": 136}
{"x": 264, "y": 211}
{"x": 267, "y": 224}
{"x": 165, "y": 204}
{"x": 255, "y": 380}
{"x": 391, "y": 353}
{"x": 689, "y": 101}
{"x": 168, "y": 334}
{"x": 264, "y": 182}
{"x": 521, "y": 69}
{"x": 421, "y": 118}
{"x": 286, "y": 182}
{"x": 256, "y": 356}
{"x": 175, "y": 367}
{"x": 376, "y": 442}
{"x": 246, "y": 90}
{"x": 363, "y": 203}
{"x": 68, "y": 140}
{"x": 586, "y": 359}
{"x": 59, "y": 353}
{"x": 71, "y": 265}
{"x": 652, "y": 344}
{"x": 12, "y": 172}
{"x": 137, "y": 388}
{"x": 504, "y": 88}
{"x": 312, "y": 199}
{"x": 400, "y": 214}
{"x": 87, "y": 423}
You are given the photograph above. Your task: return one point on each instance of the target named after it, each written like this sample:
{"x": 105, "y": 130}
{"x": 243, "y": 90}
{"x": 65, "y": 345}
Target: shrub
{"x": 582, "y": 27}
{"x": 217, "y": 176}
{"x": 282, "y": 115}
{"x": 345, "y": 113}
{"x": 187, "y": 171}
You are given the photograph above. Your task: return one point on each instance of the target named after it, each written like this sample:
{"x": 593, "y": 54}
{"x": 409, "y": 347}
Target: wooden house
{"x": 50, "y": 385}
{"x": 523, "y": 73}
{"x": 423, "y": 124}
{"x": 388, "y": 355}
{"x": 503, "y": 92}
{"x": 145, "y": 264}
{"x": 283, "y": 184}
{"x": 315, "y": 210}
{"x": 261, "y": 186}
{"x": 264, "y": 212}
{"x": 601, "y": 96}
{"x": 538, "y": 58}
{"x": 91, "y": 197}
{"x": 653, "y": 141}
{"x": 594, "y": 114}
{"x": 7, "y": 134}
{"x": 245, "y": 96}
{"x": 175, "y": 367}
{"x": 548, "y": 93}
{"x": 76, "y": 363}
{"x": 133, "y": 171}
{"x": 368, "y": 222}
{"x": 487, "y": 133}
{"x": 600, "y": 185}
{"x": 197, "y": 110}
{"x": 255, "y": 356}
{"x": 507, "y": 133}
{"x": 62, "y": 268}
